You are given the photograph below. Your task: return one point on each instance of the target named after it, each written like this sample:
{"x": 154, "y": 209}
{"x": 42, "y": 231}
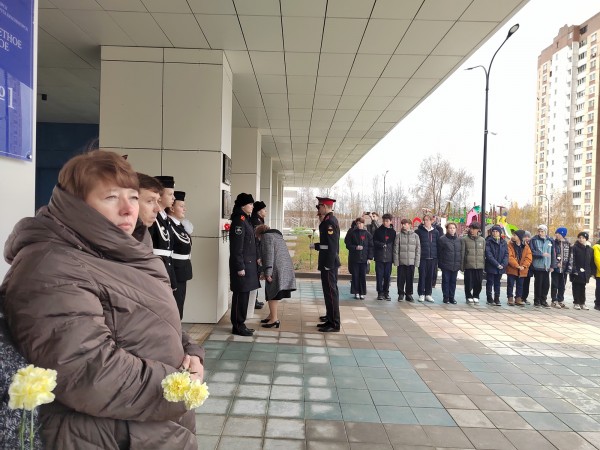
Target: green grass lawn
{"x": 302, "y": 257}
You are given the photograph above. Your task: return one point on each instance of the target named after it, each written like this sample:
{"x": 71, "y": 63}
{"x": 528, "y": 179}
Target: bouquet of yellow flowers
{"x": 179, "y": 387}
{"x": 30, "y": 387}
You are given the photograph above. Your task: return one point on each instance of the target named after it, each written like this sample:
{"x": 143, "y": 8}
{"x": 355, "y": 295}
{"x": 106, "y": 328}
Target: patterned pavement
{"x": 404, "y": 376}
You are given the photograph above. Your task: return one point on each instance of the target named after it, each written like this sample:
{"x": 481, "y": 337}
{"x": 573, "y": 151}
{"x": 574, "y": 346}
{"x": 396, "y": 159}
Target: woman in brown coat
{"x": 519, "y": 260}
{"x": 87, "y": 299}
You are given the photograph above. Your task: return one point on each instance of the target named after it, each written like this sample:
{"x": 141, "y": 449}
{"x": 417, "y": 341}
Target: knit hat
{"x": 542, "y": 227}
{"x": 243, "y": 199}
{"x": 562, "y": 231}
{"x": 527, "y": 234}
{"x": 585, "y": 234}
{"x": 259, "y": 205}
{"x": 520, "y": 234}
{"x": 497, "y": 228}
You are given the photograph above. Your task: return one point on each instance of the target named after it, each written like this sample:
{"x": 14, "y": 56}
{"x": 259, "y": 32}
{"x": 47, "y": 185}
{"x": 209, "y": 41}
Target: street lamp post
{"x": 385, "y": 175}
{"x": 512, "y": 31}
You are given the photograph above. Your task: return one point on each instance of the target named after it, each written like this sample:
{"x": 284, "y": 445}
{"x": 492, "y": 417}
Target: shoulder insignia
{"x": 238, "y": 230}
{"x": 243, "y": 217}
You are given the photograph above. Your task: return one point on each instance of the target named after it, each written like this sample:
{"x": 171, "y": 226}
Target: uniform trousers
{"x": 557, "y": 286}
{"x": 331, "y": 295}
{"x": 405, "y": 279}
{"x": 179, "y": 294}
{"x": 541, "y": 286}
{"x": 427, "y": 268}
{"x": 383, "y": 272}
{"x": 578, "y": 293}
{"x": 473, "y": 281}
{"x": 239, "y": 310}
{"x": 359, "y": 278}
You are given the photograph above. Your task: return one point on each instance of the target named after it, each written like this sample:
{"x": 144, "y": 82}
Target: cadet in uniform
{"x": 160, "y": 231}
{"x": 243, "y": 269}
{"x": 182, "y": 249}
{"x": 329, "y": 262}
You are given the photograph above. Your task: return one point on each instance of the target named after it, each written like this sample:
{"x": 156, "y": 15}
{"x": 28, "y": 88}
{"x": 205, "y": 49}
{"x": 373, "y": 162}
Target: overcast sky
{"x": 450, "y": 120}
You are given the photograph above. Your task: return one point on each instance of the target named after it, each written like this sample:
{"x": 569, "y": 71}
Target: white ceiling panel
{"x": 272, "y": 84}
{"x": 330, "y": 85}
{"x": 301, "y": 100}
{"x": 423, "y": 36}
{"x": 442, "y": 9}
{"x": 301, "y": 84}
{"x": 52, "y": 53}
{"x": 262, "y": 33}
{"x": 268, "y": 63}
{"x": 343, "y": 35}
{"x": 323, "y": 115}
{"x": 490, "y": 10}
{"x": 459, "y": 38}
{"x": 352, "y": 101}
{"x": 275, "y": 101}
{"x": 122, "y": 5}
{"x": 383, "y": 35}
{"x": 367, "y": 65}
{"x": 305, "y": 8}
{"x": 42, "y": 4}
{"x": 257, "y": 7}
{"x": 300, "y": 114}
{"x": 403, "y": 66}
{"x": 212, "y": 6}
{"x": 77, "y": 4}
{"x": 239, "y": 62}
{"x": 388, "y": 86}
{"x": 392, "y": 116}
{"x": 296, "y": 38}
{"x": 335, "y": 64}
{"x": 437, "y": 66}
{"x": 377, "y": 103}
{"x": 141, "y": 28}
{"x": 359, "y": 86}
{"x": 249, "y": 99}
{"x": 182, "y": 30}
{"x": 301, "y": 63}
{"x": 172, "y": 6}
{"x": 403, "y": 102}
{"x": 349, "y": 8}
{"x": 99, "y": 26}
{"x": 367, "y": 116}
{"x": 326, "y": 101}
{"x": 345, "y": 115}
{"x": 222, "y": 31}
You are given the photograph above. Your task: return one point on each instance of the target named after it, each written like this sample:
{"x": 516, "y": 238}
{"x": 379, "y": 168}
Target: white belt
{"x": 184, "y": 257}
{"x": 159, "y": 252}
{"x": 323, "y": 246}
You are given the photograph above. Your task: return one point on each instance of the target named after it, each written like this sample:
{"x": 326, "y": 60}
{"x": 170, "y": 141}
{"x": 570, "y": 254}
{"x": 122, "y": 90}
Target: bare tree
{"x": 562, "y": 213}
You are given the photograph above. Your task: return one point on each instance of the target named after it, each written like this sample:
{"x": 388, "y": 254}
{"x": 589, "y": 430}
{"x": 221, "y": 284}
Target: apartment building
{"x": 566, "y": 148}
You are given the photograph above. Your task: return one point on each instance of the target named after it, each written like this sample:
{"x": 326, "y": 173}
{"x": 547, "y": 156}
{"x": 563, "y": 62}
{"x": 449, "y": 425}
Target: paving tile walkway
{"x": 404, "y": 376}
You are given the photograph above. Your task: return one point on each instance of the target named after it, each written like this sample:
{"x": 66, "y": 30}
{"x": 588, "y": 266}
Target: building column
{"x": 170, "y": 110}
{"x": 245, "y": 162}
{"x": 266, "y": 173}
{"x": 274, "y": 213}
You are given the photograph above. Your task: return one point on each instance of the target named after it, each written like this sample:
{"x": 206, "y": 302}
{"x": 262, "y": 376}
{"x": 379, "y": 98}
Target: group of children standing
{"x": 549, "y": 261}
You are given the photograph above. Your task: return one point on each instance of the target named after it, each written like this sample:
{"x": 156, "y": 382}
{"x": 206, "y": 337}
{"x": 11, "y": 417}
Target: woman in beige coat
{"x": 87, "y": 299}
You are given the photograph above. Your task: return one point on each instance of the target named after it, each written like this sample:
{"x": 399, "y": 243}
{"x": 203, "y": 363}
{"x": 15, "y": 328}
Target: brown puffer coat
{"x": 86, "y": 299}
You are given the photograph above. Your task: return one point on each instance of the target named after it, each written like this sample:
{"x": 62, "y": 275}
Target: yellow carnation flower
{"x": 196, "y": 394}
{"x": 31, "y": 387}
{"x": 175, "y": 386}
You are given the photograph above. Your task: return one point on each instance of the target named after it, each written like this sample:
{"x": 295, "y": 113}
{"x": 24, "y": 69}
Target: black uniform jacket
{"x": 329, "y": 243}
{"x": 242, "y": 254}
{"x": 182, "y": 248}
{"x": 162, "y": 243}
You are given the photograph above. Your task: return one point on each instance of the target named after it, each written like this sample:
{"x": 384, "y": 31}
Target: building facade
{"x": 566, "y": 148}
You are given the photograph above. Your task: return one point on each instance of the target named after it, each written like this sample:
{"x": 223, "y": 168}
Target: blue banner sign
{"x": 16, "y": 78}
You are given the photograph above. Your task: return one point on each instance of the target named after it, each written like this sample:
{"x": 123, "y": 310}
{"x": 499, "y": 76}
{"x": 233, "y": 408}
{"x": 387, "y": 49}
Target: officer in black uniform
{"x": 162, "y": 241}
{"x": 258, "y": 218}
{"x": 329, "y": 262}
{"x": 243, "y": 269}
{"x": 182, "y": 249}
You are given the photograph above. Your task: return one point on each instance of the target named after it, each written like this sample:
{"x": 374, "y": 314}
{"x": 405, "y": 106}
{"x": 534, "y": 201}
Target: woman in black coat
{"x": 360, "y": 245}
{"x": 449, "y": 260}
{"x": 243, "y": 270}
{"x": 582, "y": 268}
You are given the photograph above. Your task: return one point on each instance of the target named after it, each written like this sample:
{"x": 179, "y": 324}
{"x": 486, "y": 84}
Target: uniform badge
{"x": 330, "y": 230}
{"x": 238, "y": 230}
{"x": 243, "y": 218}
